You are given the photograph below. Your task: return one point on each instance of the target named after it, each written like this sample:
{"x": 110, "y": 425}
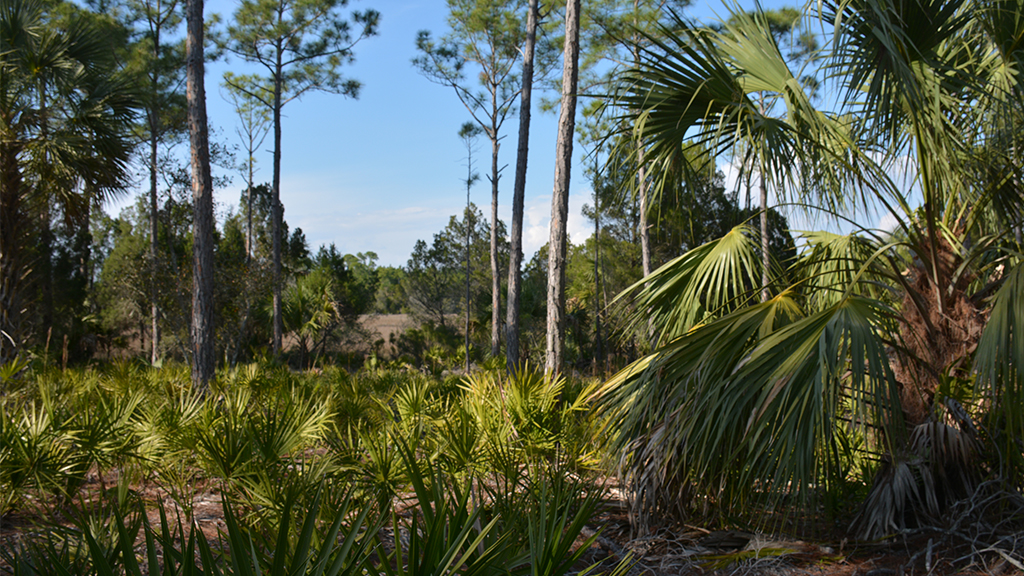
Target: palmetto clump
{"x": 884, "y": 357}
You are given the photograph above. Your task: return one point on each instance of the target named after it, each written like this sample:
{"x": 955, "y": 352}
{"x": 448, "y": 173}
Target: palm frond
{"x": 997, "y": 363}
{"x": 745, "y": 408}
{"x": 704, "y": 283}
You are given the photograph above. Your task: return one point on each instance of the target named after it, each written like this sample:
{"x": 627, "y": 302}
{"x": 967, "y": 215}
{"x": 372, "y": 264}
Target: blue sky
{"x": 378, "y": 173}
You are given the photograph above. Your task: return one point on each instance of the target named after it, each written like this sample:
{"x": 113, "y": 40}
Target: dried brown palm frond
{"x": 936, "y": 470}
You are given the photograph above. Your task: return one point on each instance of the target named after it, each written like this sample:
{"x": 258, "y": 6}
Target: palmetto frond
{"x": 704, "y": 283}
{"x": 745, "y": 401}
{"x": 732, "y": 91}
{"x": 743, "y": 407}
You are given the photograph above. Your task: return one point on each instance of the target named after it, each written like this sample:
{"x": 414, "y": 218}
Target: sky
{"x": 379, "y": 172}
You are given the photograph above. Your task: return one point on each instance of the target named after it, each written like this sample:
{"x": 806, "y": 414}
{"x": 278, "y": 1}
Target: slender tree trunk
{"x": 153, "y": 216}
{"x": 45, "y": 263}
{"x": 495, "y": 272}
{"x": 248, "y": 220}
{"x": 469, "y": 228}
{"x": 518, "y": 194}
{"x": 276, "y": 206}
{"x": 599, "y": 360}
{"x": 83, "y": 246}
{"x": 154, "y": 130}
{"x": 765, "y": 255}
{"x": 558, "y": 241}
{"x": 202, "y": 197}
{"x": 645, "y": 229}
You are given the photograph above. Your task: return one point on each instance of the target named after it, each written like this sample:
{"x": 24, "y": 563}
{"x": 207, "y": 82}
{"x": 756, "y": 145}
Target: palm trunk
{"x": 518, "y": 195}
{"x": 558, "y": 242}
{"x": 202, "y": 195}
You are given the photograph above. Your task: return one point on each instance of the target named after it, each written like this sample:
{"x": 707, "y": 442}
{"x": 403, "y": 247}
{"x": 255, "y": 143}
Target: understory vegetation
{"x": 335, "y": 473}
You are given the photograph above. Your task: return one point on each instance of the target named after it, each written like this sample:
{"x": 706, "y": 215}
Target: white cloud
{"x": 537, "y": 220}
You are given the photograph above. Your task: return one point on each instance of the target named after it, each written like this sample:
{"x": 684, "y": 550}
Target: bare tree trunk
{"x": 154, "y": 137}
{"x": 599, "y": 353}
{"x": 469, "y": 184}
{"x": 276, "y": 207}
{"x": 495, "y": 277}
{"x": 202, "y": 197}
{"x": 153, "y": 292}
{"x": 558, "y": 241}
{"x": 44, "y": 263}
{"x": 518, "y": 194}
{"x": 765, "y": 255}
{"x": 248, "y": 221}
{"x": 645, "y": 229}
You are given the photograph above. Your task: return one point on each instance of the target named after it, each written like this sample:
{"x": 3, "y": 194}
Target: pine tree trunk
{"x": 44, "y": 264}
{"x": 276, "y": 207}
{"x": 599, "y": 354}
{"x": 558, "y": 241}
{"x": 202, "y": 197}
{"x": 468, "y": 269}
{"x": 645, "y": 229}
{"x": 765, "y": 255}
{"x": 515, "y": 276}
{"x": 153, "y": 292}
{"x": 154, "y": 130}
{"x": 495, "y": 272}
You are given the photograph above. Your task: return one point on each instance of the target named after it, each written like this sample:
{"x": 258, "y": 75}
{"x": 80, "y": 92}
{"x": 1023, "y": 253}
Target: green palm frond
{"x": 732, "y": 90}
{"x": 704, "y": 283}
{"x": 997, "y": 362}
{"x": 834, "y": 265}
{"x": 746, "y": 407}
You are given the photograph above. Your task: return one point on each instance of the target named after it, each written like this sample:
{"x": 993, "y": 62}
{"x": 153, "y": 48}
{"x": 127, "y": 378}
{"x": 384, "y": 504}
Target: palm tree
{"x": 65, "y": 120}
{"x": 871, "y": 342}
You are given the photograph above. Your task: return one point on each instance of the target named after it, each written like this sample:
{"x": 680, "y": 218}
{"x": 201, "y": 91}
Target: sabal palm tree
{"x": 869, "y": 338}
{"x": 65, "y": 120}
{"x": 310, "y": 311}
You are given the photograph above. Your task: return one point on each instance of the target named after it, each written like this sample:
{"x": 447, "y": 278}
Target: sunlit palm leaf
{"x": 998, "y": 362}
{"x": 746, "y": 407}
{"x": 835, "y": 265}
{"x": 703, "y": 283}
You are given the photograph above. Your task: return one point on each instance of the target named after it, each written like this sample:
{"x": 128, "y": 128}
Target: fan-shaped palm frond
{"x": 744, "y": 402}
{"x": 65, "y": 135}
